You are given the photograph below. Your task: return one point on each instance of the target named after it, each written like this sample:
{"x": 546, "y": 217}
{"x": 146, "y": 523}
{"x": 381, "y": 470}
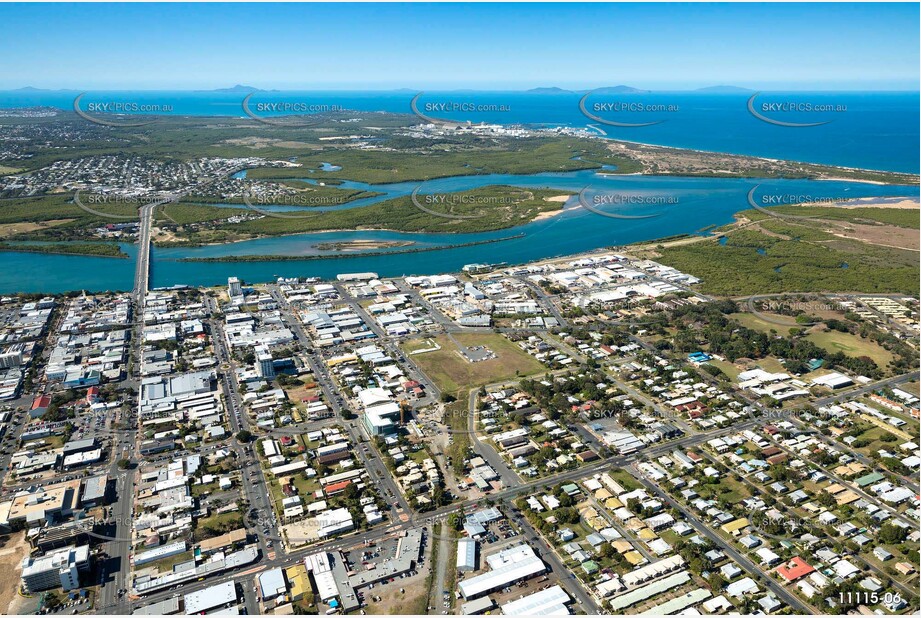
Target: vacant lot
{"x": 12, "y": 550}
{"x": 11, "y": 229}
{"x": 728, "y": 368}
{"x": 779, "y": 323}
{"x": 452, "y": 373}
{"x": 852, "y": 345}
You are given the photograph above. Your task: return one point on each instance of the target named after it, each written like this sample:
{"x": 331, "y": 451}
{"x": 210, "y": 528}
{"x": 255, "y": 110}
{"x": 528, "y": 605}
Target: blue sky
{"x": 430, "y": 46}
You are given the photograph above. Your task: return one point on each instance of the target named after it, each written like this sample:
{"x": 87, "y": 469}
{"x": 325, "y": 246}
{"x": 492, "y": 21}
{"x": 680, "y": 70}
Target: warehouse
{"x": 506, "y": 567}
{"x": 215, "y": 597}
{"x": 549, "y": 602}
{"x": 466, "y": 555}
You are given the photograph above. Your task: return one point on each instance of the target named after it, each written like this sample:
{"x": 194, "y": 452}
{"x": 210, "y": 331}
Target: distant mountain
{"x": 239, "y": 88}
{"x": 726, "y": 89}
{"x": 30, "y": 89}
{"x": 620, "y": 90}
{"x": 550, "y": 90}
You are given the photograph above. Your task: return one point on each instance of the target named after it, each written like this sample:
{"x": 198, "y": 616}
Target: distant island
{"x": 603, "y": 90}
{"x": 726, "y": 89}
{"x": 239, "y": 88}
{"x": 551, "y": 90}
{"x": 619, "y": 90}
{"x": 631, "y": 90}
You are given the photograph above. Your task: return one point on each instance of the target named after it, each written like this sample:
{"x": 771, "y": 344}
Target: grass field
{"x": 728, "y": 368}
{"x": 218, "y": 524}
{"x": 754, "y": 322}
{"x": 454, "y": 374}
{"x": 771, "y": 364}
{"x": 852, "y": 345}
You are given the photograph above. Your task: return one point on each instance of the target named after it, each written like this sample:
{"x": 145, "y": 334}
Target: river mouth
{"x": 681, "y": 205}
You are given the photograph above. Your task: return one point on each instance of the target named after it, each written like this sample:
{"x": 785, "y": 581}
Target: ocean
{"x": 873, "y": 130}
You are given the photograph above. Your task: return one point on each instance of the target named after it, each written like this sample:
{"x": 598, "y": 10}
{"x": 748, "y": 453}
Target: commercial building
{"x": 94, "y": 490}
{"x": 234, "y": 288}
{"x": 161, "y": 608}
{"x": 549, "y": 602}
{"x": 158, "y": 553}
{"x": 215, "y": 597}
{"x": 466, "y": 555}
{"x": 58, "y": 569}
{"x": 265, "y": 365}
{"x": 506, "y": 567}
{"x": 44, "y": 504}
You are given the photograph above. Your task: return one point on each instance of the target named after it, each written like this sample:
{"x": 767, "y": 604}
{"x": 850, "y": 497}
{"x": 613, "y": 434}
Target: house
{"x": 882, "y": 554}
{"x": 740, "y": 588}
{"x": 794, "y": 569}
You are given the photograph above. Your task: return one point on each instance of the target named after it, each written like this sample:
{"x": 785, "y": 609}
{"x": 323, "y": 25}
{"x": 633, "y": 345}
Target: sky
{"x": 819, "y": 46}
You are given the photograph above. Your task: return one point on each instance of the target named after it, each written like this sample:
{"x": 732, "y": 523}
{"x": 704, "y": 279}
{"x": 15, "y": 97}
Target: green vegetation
{"x": 97, "y": 249}
{"x": 868, "y": 350}
{"x": 65, "y": 219}
{"x": 479, "y": 210}
{"x": 852, "y": 345}
{"x": 793, "y": 257}
{"x": 165, "y": 565}
{"x": 308, "y": 196}
{"x": 185, "y": 213}
{"x": 901, "y": 217}
{"x": 339, "y": 256}
{"x": 217, "y": 524}
{"x": 488, "y": 208}
{"x": 475, "y": 157}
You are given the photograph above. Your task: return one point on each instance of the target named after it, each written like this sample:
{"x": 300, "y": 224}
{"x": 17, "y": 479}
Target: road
{"x": 257, "y": 494}
{"x": 766, "y": 580}
{"x": 365, "y": 450}
{"x": 118, "y": 551}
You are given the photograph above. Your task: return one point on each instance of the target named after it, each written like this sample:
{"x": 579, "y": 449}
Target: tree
{"x": 891, "y": 534}
{"x": 124, "y": 464}
{"x": 244, "y": 436}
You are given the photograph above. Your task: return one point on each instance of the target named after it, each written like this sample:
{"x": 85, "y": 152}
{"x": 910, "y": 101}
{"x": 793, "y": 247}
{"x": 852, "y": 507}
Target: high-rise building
{"x": 234, "y": 288}
{"x": 10, "y": 360}
{"x": 265, "y": 366}
{"x": 59, "y": 568}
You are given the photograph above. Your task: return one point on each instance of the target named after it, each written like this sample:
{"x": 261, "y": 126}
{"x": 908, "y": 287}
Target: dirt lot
{"x": 12, "y": 550}
{"x": 11, "y": 229}
{"x": 412, "y": 600}
{"x": 885, "y": 235}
